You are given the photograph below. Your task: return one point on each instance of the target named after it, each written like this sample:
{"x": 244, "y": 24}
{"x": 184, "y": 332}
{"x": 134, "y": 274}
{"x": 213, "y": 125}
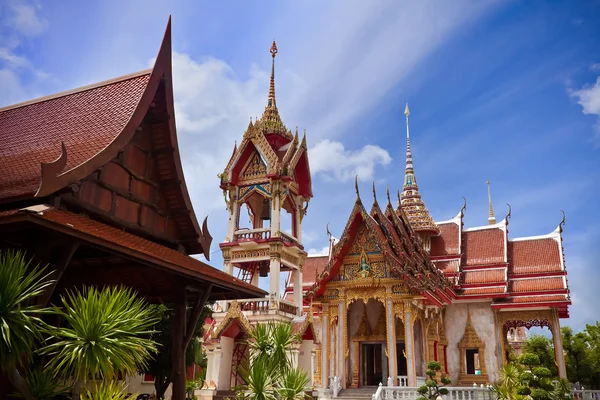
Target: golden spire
{"x": 411, "y": 200}
{"x": 491, "y": 218}
{"x": 271, "y": 101}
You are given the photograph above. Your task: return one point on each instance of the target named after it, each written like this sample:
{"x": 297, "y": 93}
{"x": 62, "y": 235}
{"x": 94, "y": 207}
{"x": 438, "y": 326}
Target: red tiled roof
{"x": 484, "y": 247}
{"x": 534, "y": 256}
{"x": 447, "y": 242}
{"x": 128, "y": 243}
{"x": 537, "y": 284}
{"x": 312, "y": 265}
{"x": 534, "y": 299}
{"x": 484, "y": 276}
{"x": 86, "y": 120}
{"x": 482, "y": 290}
{"x": 447, "y": 267}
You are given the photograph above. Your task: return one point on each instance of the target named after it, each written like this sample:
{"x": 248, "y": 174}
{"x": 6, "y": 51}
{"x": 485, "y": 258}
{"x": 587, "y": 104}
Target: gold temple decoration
{"x": 471, "y": 340}
{"x": 507, "y": 319}
{"x": 317, "y": 376}
{"x": 233, "y": 313}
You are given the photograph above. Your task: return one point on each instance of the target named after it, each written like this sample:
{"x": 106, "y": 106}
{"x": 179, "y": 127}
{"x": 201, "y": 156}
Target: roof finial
{"x": 271, "y": 101}
{"x": 387, "y": 192}
{"x": 491, "y": 218}
{"x": 509, "y": 212}
{"x": 356, "y": 186}
{"x": 409, "y": 163}
{"x": 330, "y": 241}
{"x": 562, "y": 221}
{"x": 374, "y": 194}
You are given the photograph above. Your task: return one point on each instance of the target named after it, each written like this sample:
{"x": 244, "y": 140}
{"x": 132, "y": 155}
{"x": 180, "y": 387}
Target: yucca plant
{"x": 108, "y": 390}
{"x": 104, "y": 335}
{"x": 20, "y": 323}
{"x": 43, "y": 385}
{"x": 268, "y": 372}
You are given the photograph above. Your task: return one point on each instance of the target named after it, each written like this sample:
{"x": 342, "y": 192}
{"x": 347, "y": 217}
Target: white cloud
{"x": 25, "y": 18}
{"x": 331, "y": 159}
{"x": 595, "y": 67}
{"x": 315, "y": 252}
{"x": 589, "y": 98}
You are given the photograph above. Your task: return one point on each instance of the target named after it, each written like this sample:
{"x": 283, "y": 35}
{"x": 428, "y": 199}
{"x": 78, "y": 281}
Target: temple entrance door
{"x": 372, "y": 364}
{"x": 401, "y": 359}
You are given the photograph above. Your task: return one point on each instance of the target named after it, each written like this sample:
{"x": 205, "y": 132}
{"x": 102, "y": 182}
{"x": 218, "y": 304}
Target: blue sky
{"x": 500, "y": 90}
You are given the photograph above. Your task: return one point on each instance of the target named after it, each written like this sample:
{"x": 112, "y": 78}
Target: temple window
{"x": 472, "y": 361}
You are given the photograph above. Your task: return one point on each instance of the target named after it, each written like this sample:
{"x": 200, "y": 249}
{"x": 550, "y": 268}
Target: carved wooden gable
{"x": 364, "y": 260}
{"x": 255, "y": 169}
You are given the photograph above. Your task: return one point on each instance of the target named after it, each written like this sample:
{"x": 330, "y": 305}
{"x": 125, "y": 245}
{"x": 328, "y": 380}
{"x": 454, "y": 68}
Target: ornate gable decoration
{"x": 470, "y": 339}
{"x": 365, "y": 333}
{"x": 254, "y": 169}
{"x": 234, "y": 313}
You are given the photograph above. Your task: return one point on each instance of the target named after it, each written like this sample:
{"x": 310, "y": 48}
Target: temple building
{"x": 397, "y": 290}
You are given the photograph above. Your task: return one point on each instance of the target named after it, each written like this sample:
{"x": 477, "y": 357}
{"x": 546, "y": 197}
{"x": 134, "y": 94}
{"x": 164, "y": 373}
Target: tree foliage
{"x": 432, "y": 388}
{"x": 161, "y": 366}
{"x": 542, "y": 347}
{"x": 582, "y": 355}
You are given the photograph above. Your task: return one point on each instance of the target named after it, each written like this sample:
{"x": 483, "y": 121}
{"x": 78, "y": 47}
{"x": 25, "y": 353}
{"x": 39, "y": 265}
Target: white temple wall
{"x": 305, "y": 356}
{"x": 482, "y": 318}
{"x": 419, "y": 356}
{"x": 225, "y": 363}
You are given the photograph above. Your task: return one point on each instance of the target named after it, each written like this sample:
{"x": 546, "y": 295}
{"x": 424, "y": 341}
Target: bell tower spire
{"x": 411, "y": 200}
{"x": 491, "y": 218}
{"x": 271, "y": 101}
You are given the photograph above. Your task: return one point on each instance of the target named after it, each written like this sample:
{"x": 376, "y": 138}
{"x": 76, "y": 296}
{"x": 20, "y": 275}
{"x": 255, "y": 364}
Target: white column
{"x": 313, "y": 359}
{"x": 298, "y": 222}
{"x": 275, "y": 209}
{"x": 210, "y": 364}
{"x": 558, "y": 347}
{"x": 298, "y": 291}
{"x": 228, "y": 267}
{"x": 217, "y": 358}
{"x": 409, "y": 341}
{"x": 324, "y": 347}
{"x": 391, "y": 342}
{"x": 274, "y": 272}
{"x": 233, "y": 213}
{"x": 340, "y": 342}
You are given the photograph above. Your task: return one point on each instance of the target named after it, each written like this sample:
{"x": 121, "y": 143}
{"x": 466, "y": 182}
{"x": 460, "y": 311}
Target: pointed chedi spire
{"x": 491, "y": 218}
{"x": 270, "y": 122}
{"x": 411, "y": 200}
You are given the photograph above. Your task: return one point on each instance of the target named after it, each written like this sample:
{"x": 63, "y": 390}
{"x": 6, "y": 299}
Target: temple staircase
{"x": 365, "y": 393}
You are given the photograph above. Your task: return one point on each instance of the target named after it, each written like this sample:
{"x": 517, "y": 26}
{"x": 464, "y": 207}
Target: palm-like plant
{"x": 20, "y": 325}
{"x": 510, "y": 385}
{"x": 269, "y": 374}
{"x": 105, "y": 335}
{"x": 108, "y": 390}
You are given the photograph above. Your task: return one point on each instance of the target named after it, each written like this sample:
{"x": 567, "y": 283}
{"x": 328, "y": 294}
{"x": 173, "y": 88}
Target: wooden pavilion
{"x": 91, "y": 183}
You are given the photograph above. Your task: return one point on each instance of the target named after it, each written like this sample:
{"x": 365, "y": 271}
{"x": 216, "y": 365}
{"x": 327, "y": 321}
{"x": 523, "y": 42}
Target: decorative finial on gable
{"x": 387, "y": 193}
{"x": 464, "y": 207}
{"x": 356, "y": 187}
{"x": 509, "y": 212}
{"x": 374, "y": 194}
{"x": 562, "y": 222}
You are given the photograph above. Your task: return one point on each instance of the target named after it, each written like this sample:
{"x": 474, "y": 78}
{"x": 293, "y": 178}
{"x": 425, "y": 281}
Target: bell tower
{"x": 267, "y": 186}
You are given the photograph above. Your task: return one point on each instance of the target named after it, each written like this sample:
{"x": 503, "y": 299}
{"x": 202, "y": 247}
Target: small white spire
{"x": 491, "y": 218}
{"x": 409, "y": 163}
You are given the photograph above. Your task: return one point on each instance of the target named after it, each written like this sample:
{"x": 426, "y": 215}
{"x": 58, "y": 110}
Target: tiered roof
{"x": 400, "y": 247}
{"x": 284, "y": 154}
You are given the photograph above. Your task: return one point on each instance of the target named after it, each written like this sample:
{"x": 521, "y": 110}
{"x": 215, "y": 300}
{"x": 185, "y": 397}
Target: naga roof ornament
{"x": 411, "y": 201}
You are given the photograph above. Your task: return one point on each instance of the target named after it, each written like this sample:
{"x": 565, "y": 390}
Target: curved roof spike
{"x": 464, "y": 207}
{"x": 509, "y": 212}
{"x": 387, "y": 193}
{"x": 562, "y": 221}
{"x": 356, "y": 186}
{"x": 328, "y": 232}
{"x": 399, "y": 198}
{"x": 374, "y": 193}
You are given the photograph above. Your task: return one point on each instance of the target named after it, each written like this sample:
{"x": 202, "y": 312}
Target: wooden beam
{"x": 59, "y": 270}
{"x": 195, "y": 316}
{"x": 178, "y": 350}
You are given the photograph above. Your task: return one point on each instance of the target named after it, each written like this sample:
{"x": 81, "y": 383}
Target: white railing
{"x": 454, "y": 393}
{"x": 586, "y": 394}
{"x": 402, "y": 381}
{"x": 335, "y": 384}
{"x": 261, "y": 305}
{"x": 252, "y": 234}
{"x": 378, "y": 393}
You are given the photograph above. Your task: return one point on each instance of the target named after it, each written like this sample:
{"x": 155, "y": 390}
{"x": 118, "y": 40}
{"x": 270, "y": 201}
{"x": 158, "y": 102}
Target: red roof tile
{"x": 447, "y": 267}
{"x": 537, "y": 284}
{"x": 447, "y": 242}
{"x": 484, "y": 247}
{"x": 485, "y": 276}
{"x": 535, "y": 299}
{"x": 534, "y": 256}
{"x": 86, "y": 120}
{"x": 482, "y": 290}
{"x": 312, "y": 265}
{"x": 143, "y": 248}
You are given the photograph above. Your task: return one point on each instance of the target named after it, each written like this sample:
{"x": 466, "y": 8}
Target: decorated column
{"x": 298, "y": 291}
{"x": 391, "y": 341}
{"x": 409, "y": 338}
{"x": 274, "y": 276}
{"x": 342, "y": 343}
{"x": 325, "y": 348}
